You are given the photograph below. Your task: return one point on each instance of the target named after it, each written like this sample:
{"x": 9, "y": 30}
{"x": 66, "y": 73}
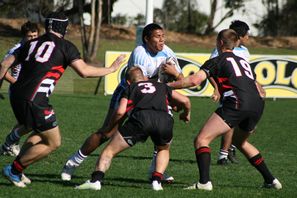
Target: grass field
{"x": 79, "y": 115}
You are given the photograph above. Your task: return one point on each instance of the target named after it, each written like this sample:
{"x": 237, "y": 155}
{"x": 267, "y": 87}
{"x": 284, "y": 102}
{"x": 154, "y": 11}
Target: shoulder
{"x": 168, "y": 50}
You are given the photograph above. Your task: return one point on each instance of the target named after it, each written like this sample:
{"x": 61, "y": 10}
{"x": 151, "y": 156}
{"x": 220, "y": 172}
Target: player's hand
{"x": 169, "y": 68}
{"x": 116, "y": 64}
{"x": 216, "y": 96}
{"x": 185, "y": 116}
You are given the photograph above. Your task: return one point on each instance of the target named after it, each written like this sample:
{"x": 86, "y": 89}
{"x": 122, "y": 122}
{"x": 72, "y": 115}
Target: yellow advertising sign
{"x": 276, "y": 73}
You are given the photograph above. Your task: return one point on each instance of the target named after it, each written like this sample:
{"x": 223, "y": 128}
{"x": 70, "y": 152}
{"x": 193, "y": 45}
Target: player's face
{"x": 156, "y": 41}
{"x": 245, "y": 39}
{"x": 31, "y": 35}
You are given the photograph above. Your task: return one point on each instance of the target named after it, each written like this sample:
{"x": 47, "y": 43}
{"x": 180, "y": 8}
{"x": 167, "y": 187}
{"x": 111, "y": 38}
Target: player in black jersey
{"x": 43, "y": 62}
{"x": 242, "y": 107}
{"x": 145, "y": 103}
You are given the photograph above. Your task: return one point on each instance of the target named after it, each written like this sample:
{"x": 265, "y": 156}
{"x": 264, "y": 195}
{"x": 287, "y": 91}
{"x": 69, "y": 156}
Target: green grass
{"x": 80, "y": 115}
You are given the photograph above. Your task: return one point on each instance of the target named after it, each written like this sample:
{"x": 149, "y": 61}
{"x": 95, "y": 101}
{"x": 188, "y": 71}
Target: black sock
{"x": 258, "y": 162}
{"x": 157, "y": 176}
{"x": 203, "y": 161}
{"x": 97, "y": 176}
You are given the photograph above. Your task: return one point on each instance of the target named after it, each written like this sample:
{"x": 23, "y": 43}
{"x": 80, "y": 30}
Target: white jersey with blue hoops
{"x": 150, "y": 63}
{"x": 15, "y": 69}
{"x": 240, "y": 51}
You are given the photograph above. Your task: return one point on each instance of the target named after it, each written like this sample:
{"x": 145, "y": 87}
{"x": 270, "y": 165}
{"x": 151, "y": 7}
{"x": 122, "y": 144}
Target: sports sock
{"x": 12, "y": 138}
{"x": 153, "y": 163}
{"x": 223, "y": 154}
{"x": 78, "y": 157}
{"x": 258, "y": 162}
{"x": 17, "y": 167}
{"x": 157, "y": 176}
{"x": 97, "y": 176}
{"x": 203, "y": 161}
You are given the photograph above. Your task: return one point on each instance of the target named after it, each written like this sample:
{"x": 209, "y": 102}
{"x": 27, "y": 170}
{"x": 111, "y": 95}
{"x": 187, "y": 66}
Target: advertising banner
{"x": 276, "y": 73}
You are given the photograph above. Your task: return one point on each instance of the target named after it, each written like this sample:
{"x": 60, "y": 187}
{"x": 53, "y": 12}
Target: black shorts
{"x": 142, "y": 124}
{"x": 116, "y": 96}
{"x": 40, "y": 117}
{"x": 245, "y": 120}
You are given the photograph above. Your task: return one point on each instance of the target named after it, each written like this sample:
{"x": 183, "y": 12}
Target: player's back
{"x": 148, "y": 95}
{"x": 43, "y": 62}
{"x": 236, "y": 81}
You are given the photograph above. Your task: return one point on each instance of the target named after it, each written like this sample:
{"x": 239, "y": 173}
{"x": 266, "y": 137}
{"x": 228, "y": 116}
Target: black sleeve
{"x": 72, "y": 53}
{"x": 209, "y": 67}
{"x": 169, "y": 93}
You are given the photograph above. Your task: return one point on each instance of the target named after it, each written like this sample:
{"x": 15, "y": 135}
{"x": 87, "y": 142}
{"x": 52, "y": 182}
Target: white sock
{"x": 223, "y": 154}
{"x": 78, "y": 158}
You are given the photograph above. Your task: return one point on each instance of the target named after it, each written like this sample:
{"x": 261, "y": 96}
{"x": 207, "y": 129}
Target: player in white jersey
{"x": 150, "y": 57}
{"x": 11, "y": 147}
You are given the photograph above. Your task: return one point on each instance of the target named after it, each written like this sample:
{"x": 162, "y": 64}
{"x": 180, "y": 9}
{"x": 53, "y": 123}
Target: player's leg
{"x": 162, "y": 161}
{"x": 90, "y": 144}
{"x": 213, "y": 127}
{"x": 253, "y": 155}
{"x": 93, "y": 141}
{"x": 116, "y": 145}
{"x": 11, "y": 146}
{"x": 50, "y": 141}
{"x": 227, "y": 150}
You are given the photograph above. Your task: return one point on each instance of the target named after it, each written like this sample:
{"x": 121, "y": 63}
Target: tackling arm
{"x": 190, "y": 81}
{"x": 87, "y": 71}
{"x": 184, "y": 101}
{"x": 5, "y": 64}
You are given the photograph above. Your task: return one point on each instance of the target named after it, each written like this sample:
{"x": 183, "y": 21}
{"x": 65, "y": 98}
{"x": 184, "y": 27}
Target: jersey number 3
{"x": 148, "y": 87}
{"x": 44, "y": 51}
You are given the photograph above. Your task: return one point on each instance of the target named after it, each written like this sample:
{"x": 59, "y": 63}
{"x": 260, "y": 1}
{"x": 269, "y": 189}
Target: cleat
{"x": 275, "y": 184}
{"x": 167, "y": 178}
{"x": 232, "y": 156}
{"x": 223, "y": 161}
{"x": 15, "y": 179}
{"x": 68, "y": 170}
{"x": 156, "y": 185}
{"x": 25, "y": 179}
{"x": 207, "y": 186}
{"x": 89, "y": 186}
{"x": 12, "y": 150}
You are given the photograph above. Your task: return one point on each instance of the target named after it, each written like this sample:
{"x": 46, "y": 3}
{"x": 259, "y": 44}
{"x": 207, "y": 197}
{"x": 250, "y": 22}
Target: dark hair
{"x": 148, "y": 30}
{"x": 57, "y": 22}
{"x": 229, "y": 38}
{"x": 29, "y": 27}
{"x": 240, "y": 27}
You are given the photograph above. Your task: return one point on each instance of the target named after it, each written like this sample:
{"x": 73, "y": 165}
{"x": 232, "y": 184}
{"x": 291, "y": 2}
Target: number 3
{"x": 148, "y": 87}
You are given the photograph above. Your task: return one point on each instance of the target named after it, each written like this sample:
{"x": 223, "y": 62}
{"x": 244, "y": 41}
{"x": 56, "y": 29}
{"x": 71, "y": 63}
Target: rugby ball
{"x": 164, "y": 77}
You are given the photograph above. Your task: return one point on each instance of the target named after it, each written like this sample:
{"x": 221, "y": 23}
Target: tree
{"x": 90, "y": 36}
{"x": 107, "y": 8}
{"x": 181, "y": 16}
{"x": 230, "y": 5}
{"x": 280, "y": 19}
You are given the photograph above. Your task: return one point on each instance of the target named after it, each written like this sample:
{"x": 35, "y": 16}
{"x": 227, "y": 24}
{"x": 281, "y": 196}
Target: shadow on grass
{"x": 149, "y": 158}
{"x": 53, "y": 178}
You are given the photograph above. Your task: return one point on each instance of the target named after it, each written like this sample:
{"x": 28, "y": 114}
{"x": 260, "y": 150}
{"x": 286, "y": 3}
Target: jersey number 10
{"x": 44, "y": 51}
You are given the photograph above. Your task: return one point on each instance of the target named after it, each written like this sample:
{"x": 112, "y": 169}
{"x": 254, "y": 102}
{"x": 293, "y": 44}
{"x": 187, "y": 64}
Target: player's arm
{"x": 88, "y": 71}
{"x": 260, "y": 89}
{"x": 183, "y": 101}
{"x": 189, "y": 81}
{"x": 8, "y": 77}
{"x": 216, "y": 94}
{"x": 5, "y": 64}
